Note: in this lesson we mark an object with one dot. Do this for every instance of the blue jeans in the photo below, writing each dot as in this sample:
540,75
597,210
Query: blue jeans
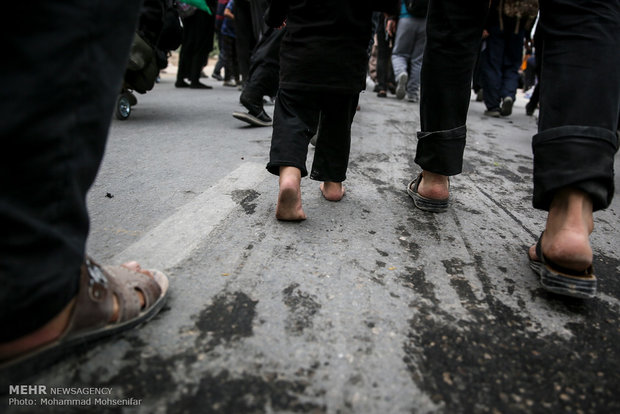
576,139
500,66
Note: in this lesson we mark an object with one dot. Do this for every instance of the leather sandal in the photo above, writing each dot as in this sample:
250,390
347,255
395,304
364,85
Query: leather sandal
91,315
558,279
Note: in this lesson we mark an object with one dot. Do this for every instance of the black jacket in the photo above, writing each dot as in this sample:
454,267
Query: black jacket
326,44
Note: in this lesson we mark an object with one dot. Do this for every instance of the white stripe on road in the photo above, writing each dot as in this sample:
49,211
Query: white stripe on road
176,237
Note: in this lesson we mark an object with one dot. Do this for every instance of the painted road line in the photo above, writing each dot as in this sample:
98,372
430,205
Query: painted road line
174,239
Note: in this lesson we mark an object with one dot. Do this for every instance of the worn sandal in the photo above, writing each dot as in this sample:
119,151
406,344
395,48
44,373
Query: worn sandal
560,280
424,203
90,319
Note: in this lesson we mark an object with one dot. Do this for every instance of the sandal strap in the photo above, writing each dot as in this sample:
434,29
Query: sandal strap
95,300
558,268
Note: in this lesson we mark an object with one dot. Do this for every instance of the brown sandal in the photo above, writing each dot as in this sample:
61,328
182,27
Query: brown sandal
90,319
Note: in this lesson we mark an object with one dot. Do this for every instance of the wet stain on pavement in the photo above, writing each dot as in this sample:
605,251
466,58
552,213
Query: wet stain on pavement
302,308
496,363
245,199
415,278
229,317
223,393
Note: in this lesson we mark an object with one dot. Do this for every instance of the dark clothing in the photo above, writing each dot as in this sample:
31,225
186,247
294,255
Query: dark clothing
245,38
53,146
265,68
576,142
499,68
198,30
231,71
385,73
325,47
295,121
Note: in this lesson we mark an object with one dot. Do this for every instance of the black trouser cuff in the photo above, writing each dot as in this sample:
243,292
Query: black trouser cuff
441,152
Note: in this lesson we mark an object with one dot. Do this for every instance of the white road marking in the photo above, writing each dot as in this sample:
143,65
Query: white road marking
174,239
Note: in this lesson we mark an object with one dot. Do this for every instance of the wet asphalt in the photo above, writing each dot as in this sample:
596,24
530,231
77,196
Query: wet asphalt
368,306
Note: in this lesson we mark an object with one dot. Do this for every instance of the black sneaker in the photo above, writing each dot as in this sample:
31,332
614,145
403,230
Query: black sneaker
199,85
181,84
507,106
217,76
254,107
261,119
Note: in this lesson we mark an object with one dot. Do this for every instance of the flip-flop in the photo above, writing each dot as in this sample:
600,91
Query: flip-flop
560,280
93,310
424,203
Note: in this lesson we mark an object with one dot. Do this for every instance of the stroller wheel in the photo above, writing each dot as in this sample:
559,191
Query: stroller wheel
123,107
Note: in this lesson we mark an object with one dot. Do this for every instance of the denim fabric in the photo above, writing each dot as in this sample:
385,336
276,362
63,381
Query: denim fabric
500,66
64,78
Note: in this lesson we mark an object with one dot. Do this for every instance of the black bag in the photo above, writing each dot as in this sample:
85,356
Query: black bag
416,8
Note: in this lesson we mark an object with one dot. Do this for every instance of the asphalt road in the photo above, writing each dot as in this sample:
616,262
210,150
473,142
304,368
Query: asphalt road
369,306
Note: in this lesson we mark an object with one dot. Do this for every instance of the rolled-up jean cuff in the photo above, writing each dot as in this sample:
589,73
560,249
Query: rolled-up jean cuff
274,167
579,157
441,152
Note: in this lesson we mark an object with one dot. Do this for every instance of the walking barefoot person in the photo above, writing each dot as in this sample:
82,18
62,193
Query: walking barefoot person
323,61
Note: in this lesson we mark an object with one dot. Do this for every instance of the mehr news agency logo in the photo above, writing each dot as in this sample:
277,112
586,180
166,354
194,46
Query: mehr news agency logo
42,395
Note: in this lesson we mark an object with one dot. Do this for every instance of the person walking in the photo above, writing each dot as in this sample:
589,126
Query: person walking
409,48
575,144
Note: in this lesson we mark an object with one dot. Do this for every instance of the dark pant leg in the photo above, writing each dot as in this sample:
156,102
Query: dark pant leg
492,68
244,37
384,56
577,138
454,30
230,64
264,75
512,60
295,120
63,72
331,155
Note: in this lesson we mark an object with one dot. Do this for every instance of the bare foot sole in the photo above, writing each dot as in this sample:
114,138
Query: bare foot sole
289,205
332,191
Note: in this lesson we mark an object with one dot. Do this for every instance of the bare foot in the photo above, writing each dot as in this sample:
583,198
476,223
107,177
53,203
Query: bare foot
434,186
569,225
58,324
332,191
289,199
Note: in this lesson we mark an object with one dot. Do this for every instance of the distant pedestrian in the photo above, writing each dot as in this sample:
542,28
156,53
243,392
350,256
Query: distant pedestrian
409,48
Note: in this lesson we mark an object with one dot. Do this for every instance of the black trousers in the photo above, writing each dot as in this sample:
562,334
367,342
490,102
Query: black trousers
265,67
64,78
297,115
385,73
245,39
576,139
198,32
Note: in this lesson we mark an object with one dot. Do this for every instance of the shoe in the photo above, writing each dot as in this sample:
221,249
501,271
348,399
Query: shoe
90,319
479,96
261,119
217,76
529,109
253,107
557,279
507,106
424,203
198,85
230,83
401,85
382,94
495,113
392,88
413,98
181,84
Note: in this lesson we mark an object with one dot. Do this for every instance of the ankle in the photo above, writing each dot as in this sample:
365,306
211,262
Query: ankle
434,185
